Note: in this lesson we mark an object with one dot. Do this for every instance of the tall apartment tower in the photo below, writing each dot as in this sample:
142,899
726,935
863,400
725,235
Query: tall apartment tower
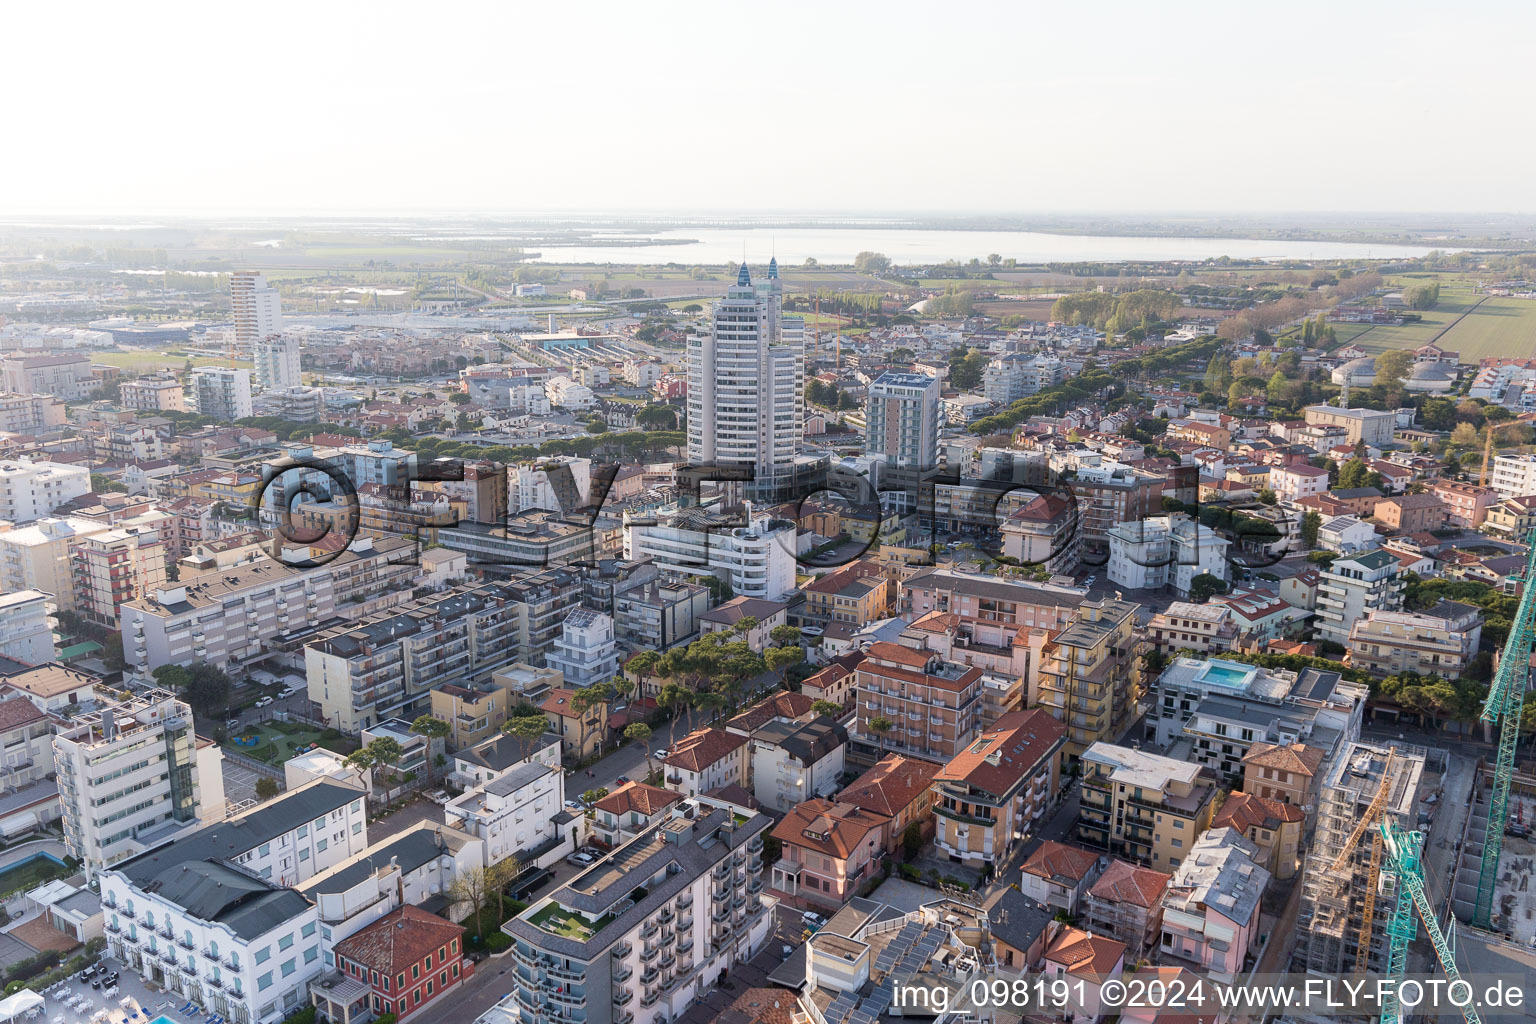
902,420
1333,902
257,307
222,392
746,386
277,362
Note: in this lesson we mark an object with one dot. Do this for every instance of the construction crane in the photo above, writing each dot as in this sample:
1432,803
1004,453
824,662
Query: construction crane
1489,431
1402,848
1506,700
1368,911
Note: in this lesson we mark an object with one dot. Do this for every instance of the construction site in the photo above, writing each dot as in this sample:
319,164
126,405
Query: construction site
1513,906
1346,896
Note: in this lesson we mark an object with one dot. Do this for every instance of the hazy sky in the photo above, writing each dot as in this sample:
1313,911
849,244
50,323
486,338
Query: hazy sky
509,106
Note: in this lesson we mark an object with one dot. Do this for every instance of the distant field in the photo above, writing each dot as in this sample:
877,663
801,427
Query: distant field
1497,327
149,362
1455,299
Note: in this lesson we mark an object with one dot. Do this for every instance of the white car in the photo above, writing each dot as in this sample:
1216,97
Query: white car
812,919
574,805
660,755
263,702
286,691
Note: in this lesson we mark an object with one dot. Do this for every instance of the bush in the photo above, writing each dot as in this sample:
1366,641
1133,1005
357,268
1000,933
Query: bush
304,1016
496,942
909,872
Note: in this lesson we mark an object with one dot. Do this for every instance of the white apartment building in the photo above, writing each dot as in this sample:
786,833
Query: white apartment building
1011,377
1346,535
30,414
1300,480
1353,587
902,415
558,484
229,616
1514,476
513,814
757,560
706,760
257,308
645,933
568,394
25,632
30,490
793,762
746,386
68,377
586,652
1168,550
153,394
132,777
640,373
223,392
212,919
36,557
277,362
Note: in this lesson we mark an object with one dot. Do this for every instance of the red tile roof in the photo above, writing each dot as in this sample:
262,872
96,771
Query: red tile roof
891,785
782,704
637,796
698,750
835,829
1294,757
1243,811
1012,748
399,939
1058,860
1084,954
1123,882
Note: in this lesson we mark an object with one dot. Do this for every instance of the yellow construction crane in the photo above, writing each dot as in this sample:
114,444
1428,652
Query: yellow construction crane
1368,910
1490,430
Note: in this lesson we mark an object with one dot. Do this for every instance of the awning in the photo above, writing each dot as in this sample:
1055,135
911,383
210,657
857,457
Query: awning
15,825
20,1004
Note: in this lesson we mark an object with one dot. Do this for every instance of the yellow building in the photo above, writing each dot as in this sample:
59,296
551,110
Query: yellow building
1143,807
1090,674
1272,825
476,711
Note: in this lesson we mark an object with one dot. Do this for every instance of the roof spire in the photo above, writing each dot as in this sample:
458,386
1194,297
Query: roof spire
742,276
773,268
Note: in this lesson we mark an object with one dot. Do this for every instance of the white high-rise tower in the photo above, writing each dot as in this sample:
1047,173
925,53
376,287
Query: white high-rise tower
258,314
746,386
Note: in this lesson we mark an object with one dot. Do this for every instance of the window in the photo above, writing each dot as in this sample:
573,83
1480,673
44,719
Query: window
304,854
415,971
322,844
264,982
357,827
263,954
308,929
288,967
400,980
286,942
311,953
266,848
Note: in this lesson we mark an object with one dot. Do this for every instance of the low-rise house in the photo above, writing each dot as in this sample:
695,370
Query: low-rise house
1087,963
1126,904
706,759
26,736
995,790
628,811
1211,908
1202,628
581,730
835,682
1058,875
829,850
493,758
403,962
780,706
765,617
899,789
1285,772
793,761
1274,827
1411,513
1019,925
1346,535
1512,519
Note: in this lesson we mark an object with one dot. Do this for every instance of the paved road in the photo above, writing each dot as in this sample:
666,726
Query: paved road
628,760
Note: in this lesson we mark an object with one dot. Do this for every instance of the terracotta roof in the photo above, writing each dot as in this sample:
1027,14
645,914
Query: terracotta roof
559,703
1010,750
1123,882
698,750
891,785
1085,954
399,939
782,704
1294,757
1043,509
880,650
1243,811
637,796
1058,860
833,582
835,829
761,1006
1413,501
16,712
50,680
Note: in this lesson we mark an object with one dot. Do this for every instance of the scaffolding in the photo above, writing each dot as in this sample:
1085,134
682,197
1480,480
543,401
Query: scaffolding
1339,932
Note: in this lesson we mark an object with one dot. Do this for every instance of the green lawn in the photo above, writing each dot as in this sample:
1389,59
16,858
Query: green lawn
149,362
30,874
1455,299
1497,327
556,920
277,741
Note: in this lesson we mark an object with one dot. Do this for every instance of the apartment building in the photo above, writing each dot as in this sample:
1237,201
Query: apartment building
1272,826
402,964
659,614
705,760
1513,475
899,789
1017,375
792,761
1466,504
1288,773
586,652
1211,907
514,814
765,616
53,687
234,615
277,362
1090,674
915,703
902,413
362,674
1411,513
213,918
1512,519
30,414
986,598
828,849
1166,551
476,709
1143,807
1110,494
1297,481
114,567
153,394
755,557
858,592
26,632
222,392
999,787
1045,532
490,759
1126,903
1352,587
1441,641
132,776
581,729
31,490
646,932
1201,628
26,736
1371,426
68,377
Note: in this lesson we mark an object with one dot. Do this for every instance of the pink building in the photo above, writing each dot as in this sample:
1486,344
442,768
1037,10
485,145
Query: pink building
1211,907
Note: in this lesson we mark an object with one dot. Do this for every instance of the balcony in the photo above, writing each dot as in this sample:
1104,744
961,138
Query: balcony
649,976
623,974
622,997
623,949
650,955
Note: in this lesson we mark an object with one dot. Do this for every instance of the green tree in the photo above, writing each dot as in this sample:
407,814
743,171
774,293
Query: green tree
1393,366
433,729
880,725
1204,587
1311,522
912,840
1465,436
829,708
871,263
526,729
785,636
267,788
640,733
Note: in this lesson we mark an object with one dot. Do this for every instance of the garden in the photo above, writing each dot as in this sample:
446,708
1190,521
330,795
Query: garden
275,742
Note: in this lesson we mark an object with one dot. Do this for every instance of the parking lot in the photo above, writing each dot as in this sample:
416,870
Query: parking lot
239,782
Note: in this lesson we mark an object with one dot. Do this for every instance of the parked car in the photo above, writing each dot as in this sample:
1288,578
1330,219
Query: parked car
574,805
440,796
286,691
622,779
581,859
661,755
233,723
813,919
263,702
